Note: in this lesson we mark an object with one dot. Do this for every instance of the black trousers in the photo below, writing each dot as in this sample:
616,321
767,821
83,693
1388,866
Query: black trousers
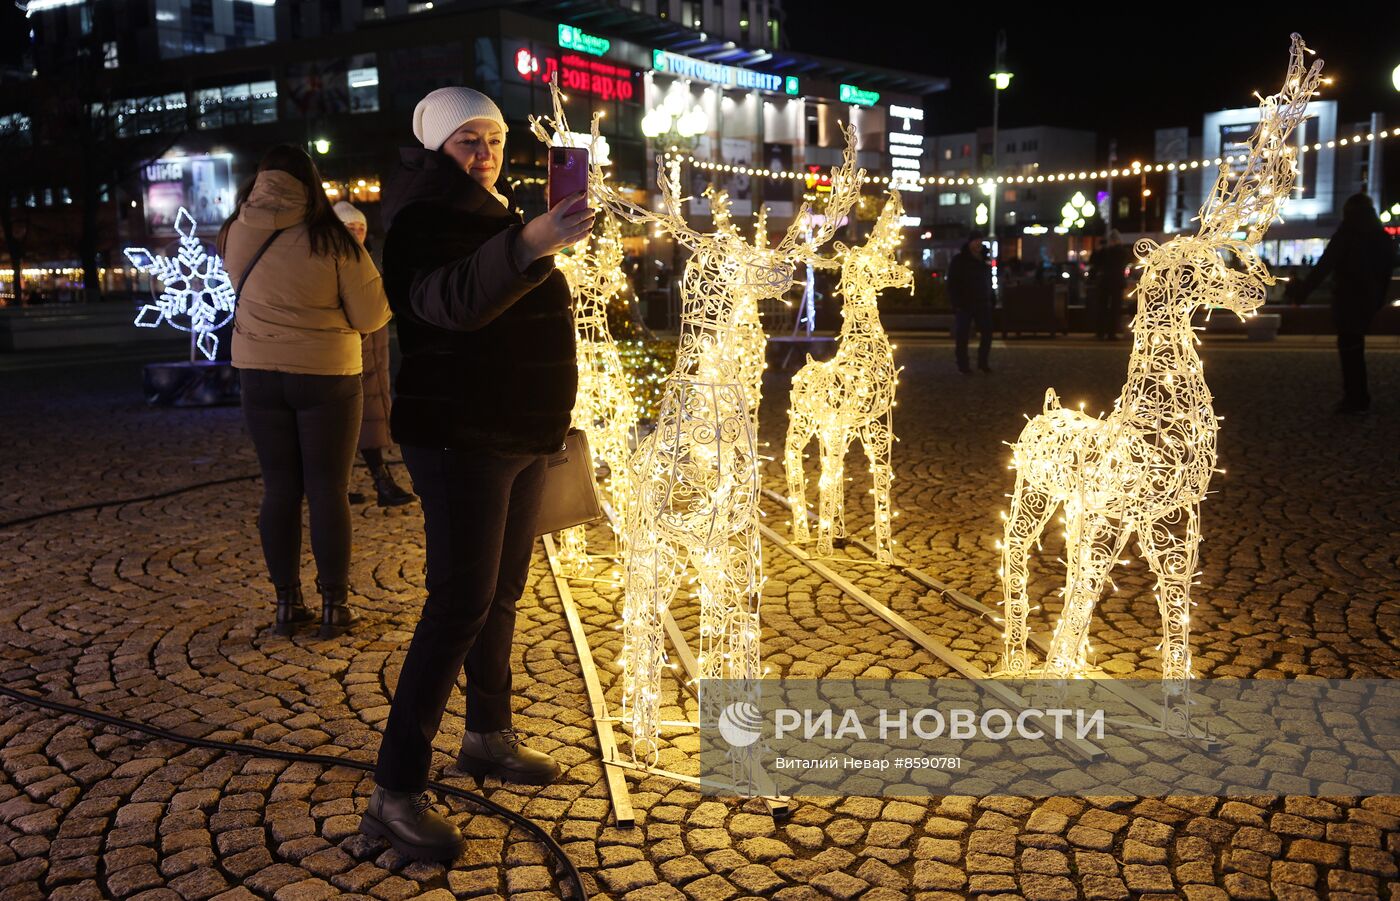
479,513
963,320
1352,325
304,428
1108,309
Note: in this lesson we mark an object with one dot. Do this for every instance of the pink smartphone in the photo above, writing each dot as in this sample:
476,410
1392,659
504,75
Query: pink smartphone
568,174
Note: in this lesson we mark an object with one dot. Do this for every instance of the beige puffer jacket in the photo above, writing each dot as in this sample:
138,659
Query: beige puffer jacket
298,312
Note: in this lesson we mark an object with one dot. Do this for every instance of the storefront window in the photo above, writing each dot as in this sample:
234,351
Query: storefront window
250,103
16,127
145,115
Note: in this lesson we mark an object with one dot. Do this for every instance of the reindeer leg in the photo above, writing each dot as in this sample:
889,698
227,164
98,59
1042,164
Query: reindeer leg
729,599
831,487
1030,511
1170,545
573,550
652,575
1092,545
799,433
876,438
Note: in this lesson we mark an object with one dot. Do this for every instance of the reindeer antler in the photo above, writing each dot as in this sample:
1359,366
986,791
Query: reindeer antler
604,194
719,209
1253,201
845,188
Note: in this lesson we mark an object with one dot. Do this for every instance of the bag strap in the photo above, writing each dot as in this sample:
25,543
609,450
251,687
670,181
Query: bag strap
238,291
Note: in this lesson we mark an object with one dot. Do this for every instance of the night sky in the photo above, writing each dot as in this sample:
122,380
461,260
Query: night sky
1121,75
1144,66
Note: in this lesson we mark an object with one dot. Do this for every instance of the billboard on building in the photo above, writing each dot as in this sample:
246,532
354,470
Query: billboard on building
202,184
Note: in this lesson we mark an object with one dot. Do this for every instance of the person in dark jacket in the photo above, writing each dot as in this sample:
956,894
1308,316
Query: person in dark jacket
970,292
374,421
485,392
1110,278
1360,258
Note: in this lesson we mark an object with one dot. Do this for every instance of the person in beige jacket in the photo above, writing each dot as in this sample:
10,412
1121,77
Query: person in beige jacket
307,293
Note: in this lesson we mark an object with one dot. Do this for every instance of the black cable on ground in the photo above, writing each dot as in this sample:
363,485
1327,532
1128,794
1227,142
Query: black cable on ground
141,499
303,757
98,505
570,869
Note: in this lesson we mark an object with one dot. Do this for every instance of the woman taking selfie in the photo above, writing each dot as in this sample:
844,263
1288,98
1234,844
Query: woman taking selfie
308,293
484,393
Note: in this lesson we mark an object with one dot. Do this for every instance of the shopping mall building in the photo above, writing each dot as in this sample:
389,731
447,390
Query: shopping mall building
183,96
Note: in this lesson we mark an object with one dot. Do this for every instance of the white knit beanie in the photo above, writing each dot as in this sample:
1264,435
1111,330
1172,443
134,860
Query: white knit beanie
445,110
348,212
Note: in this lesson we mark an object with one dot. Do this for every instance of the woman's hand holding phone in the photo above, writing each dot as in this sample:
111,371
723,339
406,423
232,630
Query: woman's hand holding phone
551,232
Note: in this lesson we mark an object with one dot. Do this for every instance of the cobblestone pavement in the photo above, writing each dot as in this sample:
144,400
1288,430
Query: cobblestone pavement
158,610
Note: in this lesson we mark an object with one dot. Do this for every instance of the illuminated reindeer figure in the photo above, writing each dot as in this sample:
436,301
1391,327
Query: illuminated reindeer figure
851,396
695,478
604,406
1145,468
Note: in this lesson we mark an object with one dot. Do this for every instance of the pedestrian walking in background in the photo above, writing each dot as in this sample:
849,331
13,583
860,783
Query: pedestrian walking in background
1360,258
1109,274
374,423
308,293
970,292
484,393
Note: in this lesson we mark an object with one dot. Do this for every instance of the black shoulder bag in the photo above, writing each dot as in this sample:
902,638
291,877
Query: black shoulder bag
238,289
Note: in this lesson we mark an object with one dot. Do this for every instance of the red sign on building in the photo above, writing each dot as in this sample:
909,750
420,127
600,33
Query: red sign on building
593,77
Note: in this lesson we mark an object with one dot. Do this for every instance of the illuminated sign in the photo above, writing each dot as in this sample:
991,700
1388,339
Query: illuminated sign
819,179
577,73
906,146
571,38
852,94
720,74
907,113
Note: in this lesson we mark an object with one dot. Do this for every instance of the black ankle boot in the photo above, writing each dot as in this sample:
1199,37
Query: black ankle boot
412,827
390,494
336,616
291,610
501,754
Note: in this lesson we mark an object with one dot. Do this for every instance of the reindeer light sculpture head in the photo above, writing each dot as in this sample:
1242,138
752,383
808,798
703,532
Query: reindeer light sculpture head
1144,469
1192,271
874,267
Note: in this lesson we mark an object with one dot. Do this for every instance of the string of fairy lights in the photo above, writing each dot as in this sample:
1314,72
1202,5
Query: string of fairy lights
1131,170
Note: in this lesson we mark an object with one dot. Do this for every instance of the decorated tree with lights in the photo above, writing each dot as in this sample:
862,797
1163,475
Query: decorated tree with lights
196,295
851,396
695,478
1145,468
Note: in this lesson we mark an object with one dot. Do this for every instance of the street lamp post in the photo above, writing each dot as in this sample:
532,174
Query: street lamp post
1001,79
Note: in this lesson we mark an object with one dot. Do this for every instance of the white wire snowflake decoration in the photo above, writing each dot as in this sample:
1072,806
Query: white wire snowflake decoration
196,294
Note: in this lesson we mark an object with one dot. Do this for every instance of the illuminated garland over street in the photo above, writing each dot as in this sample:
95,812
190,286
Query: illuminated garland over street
1131,170
1146,467
851,396
696,479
